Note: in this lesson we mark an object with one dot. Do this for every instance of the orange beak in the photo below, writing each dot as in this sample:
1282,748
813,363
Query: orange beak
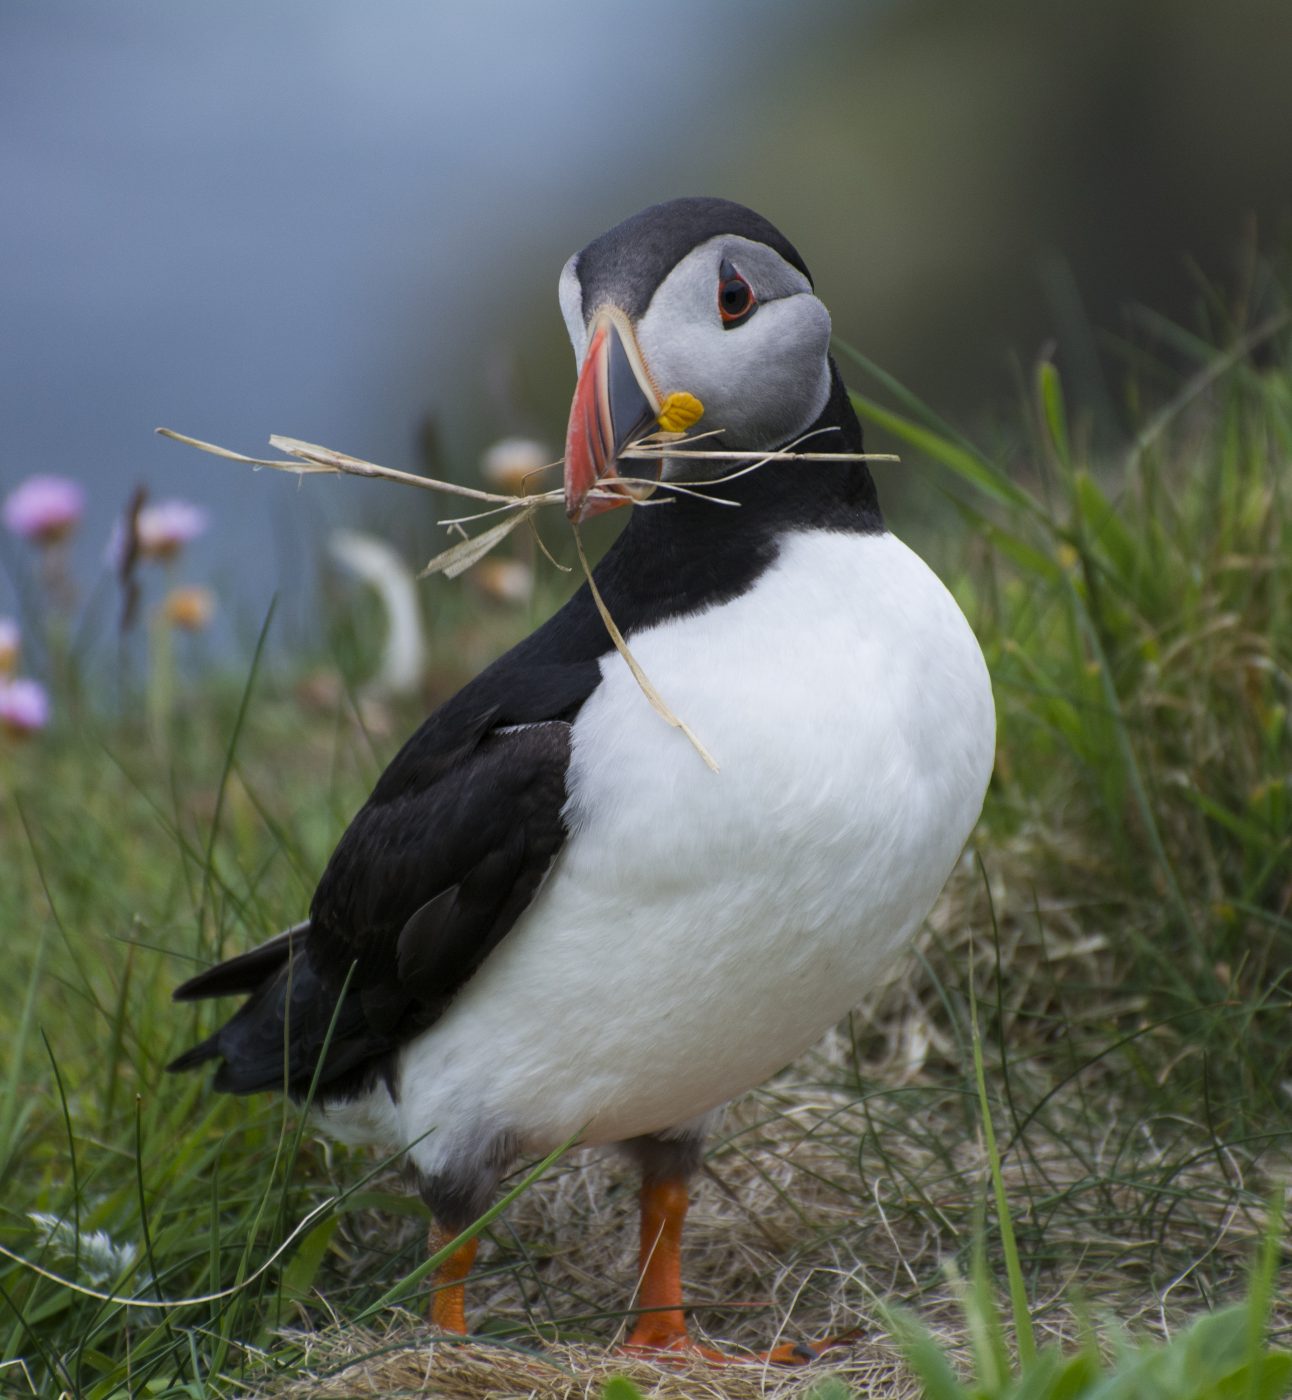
614,404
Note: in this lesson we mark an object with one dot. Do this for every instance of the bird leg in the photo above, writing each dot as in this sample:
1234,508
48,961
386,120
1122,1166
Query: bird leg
661,1322
660,1325
448,1291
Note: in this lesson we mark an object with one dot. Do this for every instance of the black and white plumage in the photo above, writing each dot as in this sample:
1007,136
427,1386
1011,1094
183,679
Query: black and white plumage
550,918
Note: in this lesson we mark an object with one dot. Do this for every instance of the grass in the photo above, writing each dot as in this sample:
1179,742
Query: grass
1120,936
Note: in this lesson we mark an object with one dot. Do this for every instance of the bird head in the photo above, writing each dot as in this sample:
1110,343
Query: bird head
695,306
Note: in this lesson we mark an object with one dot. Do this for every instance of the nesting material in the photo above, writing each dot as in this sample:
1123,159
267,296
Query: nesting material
310,459
679,412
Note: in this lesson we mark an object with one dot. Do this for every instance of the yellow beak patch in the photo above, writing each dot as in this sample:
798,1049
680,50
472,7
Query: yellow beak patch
679,412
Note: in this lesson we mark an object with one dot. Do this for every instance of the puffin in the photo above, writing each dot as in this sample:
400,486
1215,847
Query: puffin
551,922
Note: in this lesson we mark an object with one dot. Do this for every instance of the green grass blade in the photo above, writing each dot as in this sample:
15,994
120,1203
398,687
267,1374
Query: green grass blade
1025,1338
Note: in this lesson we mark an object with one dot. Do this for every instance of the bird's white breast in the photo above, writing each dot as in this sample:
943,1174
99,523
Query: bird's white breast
699,930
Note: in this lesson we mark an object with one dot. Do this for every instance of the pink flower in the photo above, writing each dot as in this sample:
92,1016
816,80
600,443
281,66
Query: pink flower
10,645
44,508
165,528
161,531
24,707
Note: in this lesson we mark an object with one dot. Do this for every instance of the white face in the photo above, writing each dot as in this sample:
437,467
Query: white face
763,380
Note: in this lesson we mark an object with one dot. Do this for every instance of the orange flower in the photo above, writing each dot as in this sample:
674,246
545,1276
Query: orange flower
190,607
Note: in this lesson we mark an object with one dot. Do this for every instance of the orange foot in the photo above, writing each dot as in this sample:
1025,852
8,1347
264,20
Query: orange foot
660,1334
802,1353
651,1342
683,1347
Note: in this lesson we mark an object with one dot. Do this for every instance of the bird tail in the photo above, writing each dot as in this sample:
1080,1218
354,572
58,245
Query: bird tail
237,976
294,1029
244,973
209,1049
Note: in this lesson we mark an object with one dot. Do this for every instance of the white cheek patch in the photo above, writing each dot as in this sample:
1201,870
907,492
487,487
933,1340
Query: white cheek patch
570,293
762,382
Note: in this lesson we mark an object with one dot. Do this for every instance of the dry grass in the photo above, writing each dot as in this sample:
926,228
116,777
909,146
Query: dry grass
475,1370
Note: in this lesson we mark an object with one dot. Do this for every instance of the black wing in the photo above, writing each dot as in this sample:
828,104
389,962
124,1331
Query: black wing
433,871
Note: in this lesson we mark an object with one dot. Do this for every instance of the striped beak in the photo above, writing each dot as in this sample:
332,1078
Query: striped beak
614,405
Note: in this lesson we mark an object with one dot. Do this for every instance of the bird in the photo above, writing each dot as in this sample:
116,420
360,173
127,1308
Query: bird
551,922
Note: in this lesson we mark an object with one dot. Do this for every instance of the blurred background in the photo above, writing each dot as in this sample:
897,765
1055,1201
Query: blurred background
345,223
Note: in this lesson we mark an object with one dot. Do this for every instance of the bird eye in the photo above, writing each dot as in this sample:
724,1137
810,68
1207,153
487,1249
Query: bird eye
736,300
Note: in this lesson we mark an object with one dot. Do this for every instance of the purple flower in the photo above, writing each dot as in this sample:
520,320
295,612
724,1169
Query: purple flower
44,508
24,707
10,645
165,528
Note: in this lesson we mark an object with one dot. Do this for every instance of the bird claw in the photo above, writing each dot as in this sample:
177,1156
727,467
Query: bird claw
804,1353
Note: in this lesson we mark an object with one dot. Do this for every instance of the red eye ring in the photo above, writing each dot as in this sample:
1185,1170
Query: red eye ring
736,300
